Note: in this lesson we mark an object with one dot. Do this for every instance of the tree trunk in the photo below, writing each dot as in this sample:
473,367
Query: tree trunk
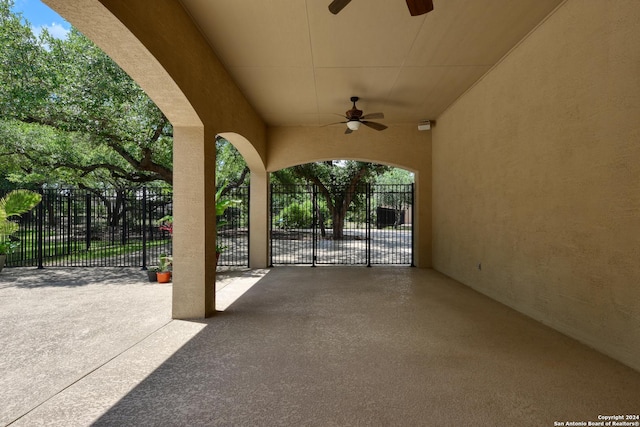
398,218
338,223
323,230
319,216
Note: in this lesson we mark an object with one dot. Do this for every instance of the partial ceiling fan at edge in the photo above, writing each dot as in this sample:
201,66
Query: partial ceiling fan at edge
416,7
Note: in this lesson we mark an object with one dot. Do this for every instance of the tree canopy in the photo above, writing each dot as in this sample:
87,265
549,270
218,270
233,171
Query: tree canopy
338,184
70,115
231,169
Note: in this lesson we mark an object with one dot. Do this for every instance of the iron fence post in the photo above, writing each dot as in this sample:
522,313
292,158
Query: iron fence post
144,228
271,186
368,230
123,235
69,235
413,219
314,214
88,221
40,229
248,190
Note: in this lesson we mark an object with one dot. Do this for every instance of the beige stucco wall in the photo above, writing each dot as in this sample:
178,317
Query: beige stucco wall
536,175
400,145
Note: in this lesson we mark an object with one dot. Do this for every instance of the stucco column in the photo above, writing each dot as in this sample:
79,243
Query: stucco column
194,254
422,222
259,220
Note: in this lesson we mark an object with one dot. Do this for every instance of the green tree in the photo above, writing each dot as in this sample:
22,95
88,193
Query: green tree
338,183
231,169
395,176
69,114
396,197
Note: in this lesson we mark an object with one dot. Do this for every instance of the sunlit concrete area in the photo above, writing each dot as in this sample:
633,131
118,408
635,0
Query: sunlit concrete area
59,325
292,346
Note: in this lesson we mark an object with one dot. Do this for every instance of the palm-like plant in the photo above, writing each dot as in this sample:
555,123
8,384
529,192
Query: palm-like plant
15,203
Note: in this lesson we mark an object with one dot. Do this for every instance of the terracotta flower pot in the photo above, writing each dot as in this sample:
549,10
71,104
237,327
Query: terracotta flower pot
164,276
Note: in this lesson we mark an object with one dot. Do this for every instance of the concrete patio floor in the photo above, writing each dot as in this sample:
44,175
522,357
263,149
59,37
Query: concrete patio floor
303,346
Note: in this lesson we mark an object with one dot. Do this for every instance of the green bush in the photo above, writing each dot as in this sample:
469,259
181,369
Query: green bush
300,215
296,215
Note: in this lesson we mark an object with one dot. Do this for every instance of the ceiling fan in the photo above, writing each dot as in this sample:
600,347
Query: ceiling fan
416,7
355,118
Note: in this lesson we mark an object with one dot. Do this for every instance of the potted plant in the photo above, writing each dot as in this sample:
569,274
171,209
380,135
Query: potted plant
164,224
152,274
219,249
164,268
14,203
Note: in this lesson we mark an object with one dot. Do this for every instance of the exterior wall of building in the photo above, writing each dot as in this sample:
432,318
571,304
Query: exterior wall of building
536,178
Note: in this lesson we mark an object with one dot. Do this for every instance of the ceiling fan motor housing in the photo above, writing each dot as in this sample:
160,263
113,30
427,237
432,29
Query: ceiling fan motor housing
355,118
354,114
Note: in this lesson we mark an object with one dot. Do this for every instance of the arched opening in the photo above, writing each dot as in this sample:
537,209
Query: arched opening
342,212
258,198
234,176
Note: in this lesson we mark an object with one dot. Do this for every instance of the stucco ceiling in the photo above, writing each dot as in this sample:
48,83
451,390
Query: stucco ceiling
298,64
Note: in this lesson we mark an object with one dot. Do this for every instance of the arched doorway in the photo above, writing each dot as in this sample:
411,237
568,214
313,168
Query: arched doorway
340,212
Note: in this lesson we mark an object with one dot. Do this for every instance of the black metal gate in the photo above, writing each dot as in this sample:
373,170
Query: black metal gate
234,234
375,229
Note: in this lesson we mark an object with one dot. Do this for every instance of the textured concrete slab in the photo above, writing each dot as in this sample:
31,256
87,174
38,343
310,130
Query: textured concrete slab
58,325
350,346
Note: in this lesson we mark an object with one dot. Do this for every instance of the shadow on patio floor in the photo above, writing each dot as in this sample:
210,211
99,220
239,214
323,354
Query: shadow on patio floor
351,346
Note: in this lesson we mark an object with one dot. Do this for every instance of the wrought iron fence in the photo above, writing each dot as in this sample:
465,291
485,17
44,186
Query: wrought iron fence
84,228
375,229
233,234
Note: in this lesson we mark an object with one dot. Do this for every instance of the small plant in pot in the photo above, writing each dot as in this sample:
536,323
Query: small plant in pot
14,203
164,268
219,249
152,273
164,224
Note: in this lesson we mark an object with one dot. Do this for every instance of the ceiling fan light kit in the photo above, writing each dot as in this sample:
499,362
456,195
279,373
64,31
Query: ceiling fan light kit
353,124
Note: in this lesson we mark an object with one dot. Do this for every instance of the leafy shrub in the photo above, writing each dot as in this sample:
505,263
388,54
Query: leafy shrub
297,215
